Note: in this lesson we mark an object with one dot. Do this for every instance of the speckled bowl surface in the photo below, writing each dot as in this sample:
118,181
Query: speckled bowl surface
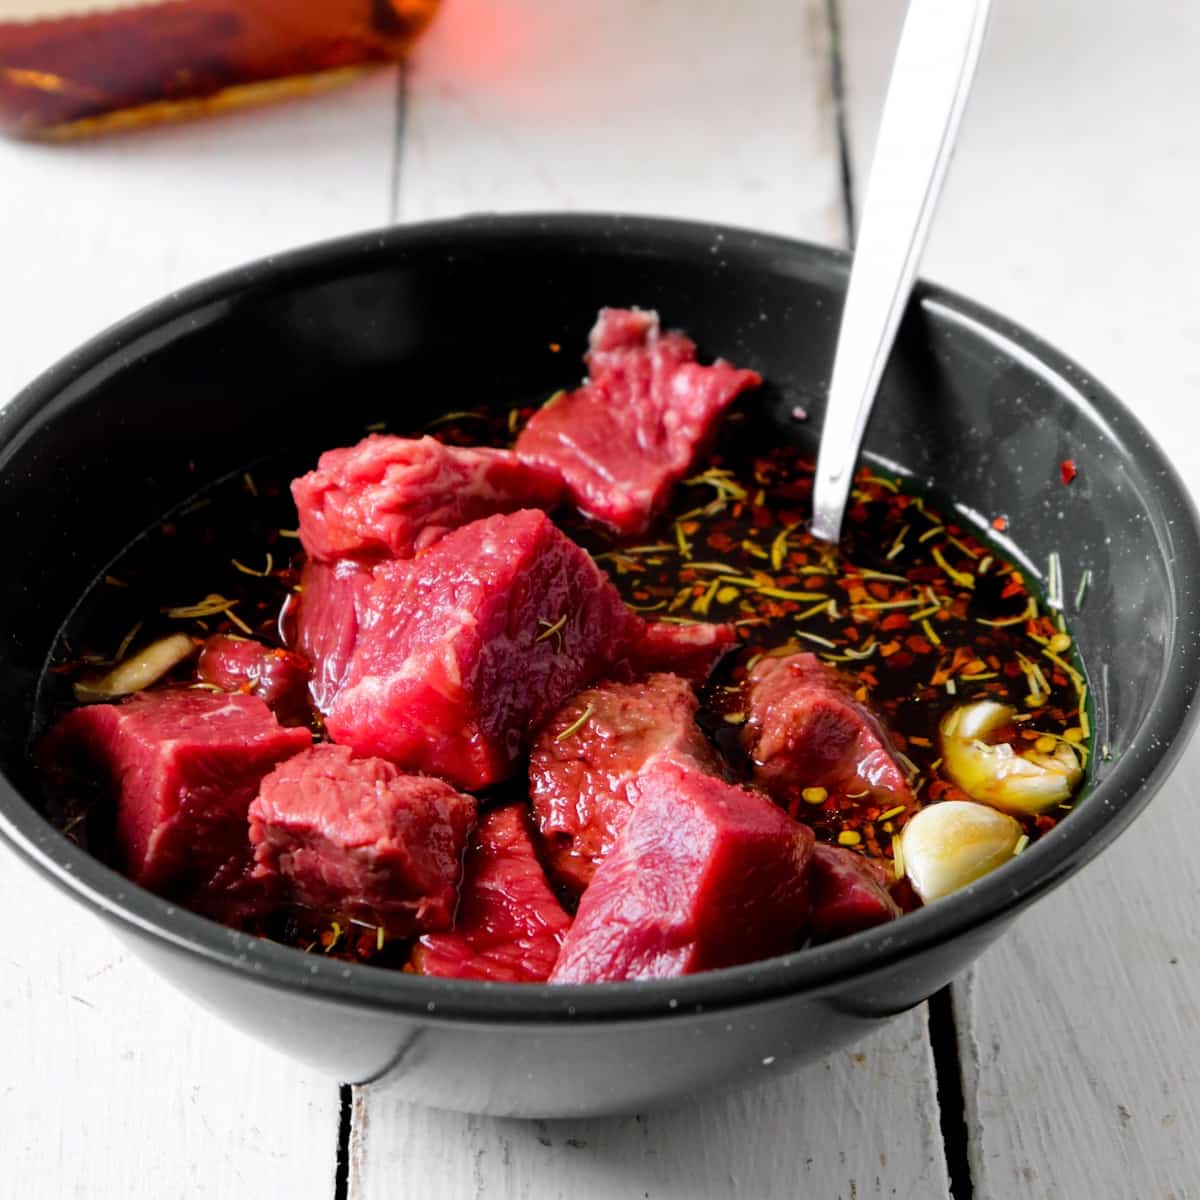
306,348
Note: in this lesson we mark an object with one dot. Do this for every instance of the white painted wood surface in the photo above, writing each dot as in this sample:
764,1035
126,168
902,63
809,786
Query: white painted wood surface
696,108
861,1124
112,1084
1071,206
1079,1030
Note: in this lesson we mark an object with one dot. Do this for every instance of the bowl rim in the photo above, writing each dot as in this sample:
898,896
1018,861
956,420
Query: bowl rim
1103,814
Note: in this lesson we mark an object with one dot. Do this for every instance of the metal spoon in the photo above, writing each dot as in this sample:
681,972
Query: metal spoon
931,79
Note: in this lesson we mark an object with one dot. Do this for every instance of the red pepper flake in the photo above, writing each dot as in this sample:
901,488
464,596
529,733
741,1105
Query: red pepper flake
1000,524
1068,470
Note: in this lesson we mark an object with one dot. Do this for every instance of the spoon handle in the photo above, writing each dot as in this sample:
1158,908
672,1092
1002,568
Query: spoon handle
931,79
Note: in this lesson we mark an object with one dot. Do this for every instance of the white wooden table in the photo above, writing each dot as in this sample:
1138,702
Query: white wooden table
1072,207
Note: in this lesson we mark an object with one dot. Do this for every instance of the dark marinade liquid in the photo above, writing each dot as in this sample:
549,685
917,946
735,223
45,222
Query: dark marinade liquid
918,613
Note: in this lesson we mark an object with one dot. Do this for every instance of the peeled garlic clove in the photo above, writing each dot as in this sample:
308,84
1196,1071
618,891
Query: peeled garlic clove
138,671
953,843
997,774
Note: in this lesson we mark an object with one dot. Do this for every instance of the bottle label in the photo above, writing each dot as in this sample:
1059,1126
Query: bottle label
50,10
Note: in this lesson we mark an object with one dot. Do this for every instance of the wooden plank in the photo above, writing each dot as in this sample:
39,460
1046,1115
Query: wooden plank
1071,206
94,230
703,109
861,1124
115,1085
692,108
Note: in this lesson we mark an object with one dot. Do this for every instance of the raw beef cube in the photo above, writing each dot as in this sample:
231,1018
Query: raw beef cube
465,650
356,836
277,677
327,624
688,650
592,750
647,411
804,729
183,765
509,925
389,497
848,894
705,874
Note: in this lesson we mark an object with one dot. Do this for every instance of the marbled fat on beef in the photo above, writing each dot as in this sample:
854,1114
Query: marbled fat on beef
341,834
465,650
590,753
705,874
388,497
509,925
647,411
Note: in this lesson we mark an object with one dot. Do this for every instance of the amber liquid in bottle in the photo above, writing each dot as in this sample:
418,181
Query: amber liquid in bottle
75,67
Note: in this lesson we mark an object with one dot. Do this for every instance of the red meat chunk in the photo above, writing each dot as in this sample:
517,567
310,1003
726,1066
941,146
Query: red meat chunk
277,677
356,836
580,774
705,874
389,497
463,651
625,438
184,766
327,624
688,650
848,894
804,729
510,925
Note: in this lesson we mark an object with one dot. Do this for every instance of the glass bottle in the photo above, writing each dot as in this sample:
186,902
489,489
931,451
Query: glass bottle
74,67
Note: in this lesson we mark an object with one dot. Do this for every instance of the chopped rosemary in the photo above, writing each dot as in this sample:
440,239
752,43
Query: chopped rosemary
245,570
1085,581
779,547
959,577
1054,580
210,606
898,544
701,606
576,725
814,637
447,418
551,629
1028,614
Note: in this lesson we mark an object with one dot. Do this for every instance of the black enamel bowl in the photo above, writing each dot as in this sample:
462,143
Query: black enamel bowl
309,347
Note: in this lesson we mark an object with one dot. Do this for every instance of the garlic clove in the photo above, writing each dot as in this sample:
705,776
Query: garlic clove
995,774
138,671
953,843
